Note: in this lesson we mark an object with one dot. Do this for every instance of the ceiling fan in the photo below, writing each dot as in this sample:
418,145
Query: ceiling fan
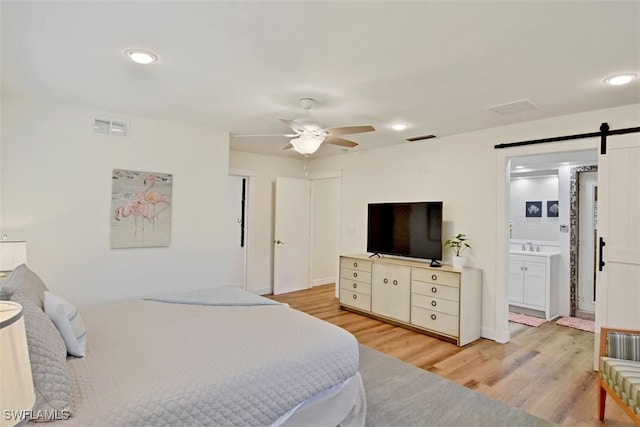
309,134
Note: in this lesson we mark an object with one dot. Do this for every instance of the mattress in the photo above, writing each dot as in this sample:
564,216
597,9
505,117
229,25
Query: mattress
158,363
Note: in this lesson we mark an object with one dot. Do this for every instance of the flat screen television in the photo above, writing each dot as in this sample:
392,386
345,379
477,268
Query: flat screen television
412,229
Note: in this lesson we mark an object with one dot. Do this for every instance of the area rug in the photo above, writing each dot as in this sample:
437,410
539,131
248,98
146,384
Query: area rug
526,320
399,394
577,323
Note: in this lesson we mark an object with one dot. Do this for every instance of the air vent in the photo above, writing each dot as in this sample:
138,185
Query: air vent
514,107
113,127
420,138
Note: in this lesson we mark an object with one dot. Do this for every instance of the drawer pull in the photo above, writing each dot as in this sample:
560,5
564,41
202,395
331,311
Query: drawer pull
385,280
434,277
395,282
434,289
433,303
355,274
355,296
433,317
355,264
355,285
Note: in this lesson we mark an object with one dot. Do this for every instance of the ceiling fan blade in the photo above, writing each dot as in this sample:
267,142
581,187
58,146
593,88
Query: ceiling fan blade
261,134
346,130
341,142
288,147
297,127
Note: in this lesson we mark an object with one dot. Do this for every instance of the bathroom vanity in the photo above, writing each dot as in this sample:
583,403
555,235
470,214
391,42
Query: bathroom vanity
533,281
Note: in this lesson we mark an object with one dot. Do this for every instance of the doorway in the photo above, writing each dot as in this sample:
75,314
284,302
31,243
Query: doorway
237,209
584,208
556,231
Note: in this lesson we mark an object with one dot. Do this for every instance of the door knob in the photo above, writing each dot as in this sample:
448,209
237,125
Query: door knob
278,242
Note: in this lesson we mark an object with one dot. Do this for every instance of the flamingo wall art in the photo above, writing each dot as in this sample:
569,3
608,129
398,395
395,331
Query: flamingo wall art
140,209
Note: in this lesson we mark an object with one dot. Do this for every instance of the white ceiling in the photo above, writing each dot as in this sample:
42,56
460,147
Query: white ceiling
239,66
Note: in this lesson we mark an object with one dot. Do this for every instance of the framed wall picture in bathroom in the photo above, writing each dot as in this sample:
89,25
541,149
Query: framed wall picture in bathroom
533,209
552,208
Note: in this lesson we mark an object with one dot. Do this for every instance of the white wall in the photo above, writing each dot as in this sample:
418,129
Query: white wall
325,227
56,194
465,172
263,170
534,189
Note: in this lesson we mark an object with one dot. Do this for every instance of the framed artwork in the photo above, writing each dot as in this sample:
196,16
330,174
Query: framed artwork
140,209
533,209
552,208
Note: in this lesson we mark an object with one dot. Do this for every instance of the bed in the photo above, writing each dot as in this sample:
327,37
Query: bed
217,356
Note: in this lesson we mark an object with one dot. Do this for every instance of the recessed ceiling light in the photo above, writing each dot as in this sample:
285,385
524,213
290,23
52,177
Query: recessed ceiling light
519,167
141,56
399,126
620,79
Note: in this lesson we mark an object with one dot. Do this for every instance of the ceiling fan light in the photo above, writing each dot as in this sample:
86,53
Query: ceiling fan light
306,144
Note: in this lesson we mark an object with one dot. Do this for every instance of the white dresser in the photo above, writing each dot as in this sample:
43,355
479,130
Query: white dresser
438,301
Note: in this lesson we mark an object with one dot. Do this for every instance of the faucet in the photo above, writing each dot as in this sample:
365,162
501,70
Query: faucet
530,246
537,248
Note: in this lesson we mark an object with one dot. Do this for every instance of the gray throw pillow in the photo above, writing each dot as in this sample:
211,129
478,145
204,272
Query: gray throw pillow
24,278
48,356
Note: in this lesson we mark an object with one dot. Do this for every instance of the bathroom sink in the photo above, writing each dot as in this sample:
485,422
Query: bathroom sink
541,253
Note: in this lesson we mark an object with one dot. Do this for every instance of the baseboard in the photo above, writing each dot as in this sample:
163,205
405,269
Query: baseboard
266,291
323,281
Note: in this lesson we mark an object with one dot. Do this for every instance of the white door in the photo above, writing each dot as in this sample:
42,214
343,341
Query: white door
291,237
236,231
587,208
618,277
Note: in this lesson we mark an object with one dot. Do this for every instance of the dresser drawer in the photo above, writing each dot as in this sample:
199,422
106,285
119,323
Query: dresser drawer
431,289
435,304
355,264
438,322
438,277
355,286
360,276
355,299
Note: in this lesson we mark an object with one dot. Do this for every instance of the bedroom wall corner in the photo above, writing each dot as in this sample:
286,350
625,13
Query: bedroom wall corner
56,193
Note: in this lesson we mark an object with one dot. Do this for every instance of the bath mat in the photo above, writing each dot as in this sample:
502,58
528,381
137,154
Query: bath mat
577,323
526,320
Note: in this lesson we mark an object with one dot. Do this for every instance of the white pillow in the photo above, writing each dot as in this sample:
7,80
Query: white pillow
68,322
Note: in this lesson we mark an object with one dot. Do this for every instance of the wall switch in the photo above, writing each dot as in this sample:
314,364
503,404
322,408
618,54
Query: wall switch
564,228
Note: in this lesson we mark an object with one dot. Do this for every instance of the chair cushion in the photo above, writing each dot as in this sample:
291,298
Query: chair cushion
623,376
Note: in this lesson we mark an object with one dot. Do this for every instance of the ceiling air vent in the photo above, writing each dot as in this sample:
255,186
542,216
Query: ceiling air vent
111,127
514,107
420,138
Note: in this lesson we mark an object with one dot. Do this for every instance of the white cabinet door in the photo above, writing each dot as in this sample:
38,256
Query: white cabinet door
617,284
516,281
535,284
391,291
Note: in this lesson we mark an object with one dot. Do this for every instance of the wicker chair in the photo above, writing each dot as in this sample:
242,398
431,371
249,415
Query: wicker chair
619,374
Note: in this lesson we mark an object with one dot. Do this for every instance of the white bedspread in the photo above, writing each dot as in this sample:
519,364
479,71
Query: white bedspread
154,363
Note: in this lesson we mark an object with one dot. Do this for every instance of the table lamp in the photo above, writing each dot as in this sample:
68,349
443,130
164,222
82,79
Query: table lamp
16,383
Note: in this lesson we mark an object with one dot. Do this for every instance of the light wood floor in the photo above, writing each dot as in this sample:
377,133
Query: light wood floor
545,371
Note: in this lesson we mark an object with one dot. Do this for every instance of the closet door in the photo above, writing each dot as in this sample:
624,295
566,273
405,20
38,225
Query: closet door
618,278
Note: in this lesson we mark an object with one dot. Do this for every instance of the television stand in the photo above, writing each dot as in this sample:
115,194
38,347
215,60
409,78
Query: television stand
435,263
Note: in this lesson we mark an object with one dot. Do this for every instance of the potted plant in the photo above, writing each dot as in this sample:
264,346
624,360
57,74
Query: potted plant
458,244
